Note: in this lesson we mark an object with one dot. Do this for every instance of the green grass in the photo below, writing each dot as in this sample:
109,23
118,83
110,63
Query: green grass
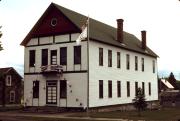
167,114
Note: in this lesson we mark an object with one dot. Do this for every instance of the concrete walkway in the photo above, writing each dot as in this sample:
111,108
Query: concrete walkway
60,115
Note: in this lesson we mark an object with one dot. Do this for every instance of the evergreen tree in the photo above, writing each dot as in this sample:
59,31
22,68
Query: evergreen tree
139,101
172,80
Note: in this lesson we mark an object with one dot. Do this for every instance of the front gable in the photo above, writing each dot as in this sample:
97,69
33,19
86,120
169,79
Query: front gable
52,22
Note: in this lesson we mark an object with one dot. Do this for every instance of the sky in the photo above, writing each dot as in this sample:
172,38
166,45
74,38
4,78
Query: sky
160,18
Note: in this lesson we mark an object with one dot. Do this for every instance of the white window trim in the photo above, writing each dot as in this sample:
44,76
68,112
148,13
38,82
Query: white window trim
12,99
8,82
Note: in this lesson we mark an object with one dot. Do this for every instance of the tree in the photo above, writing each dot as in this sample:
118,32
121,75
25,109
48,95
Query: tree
139,101
172,80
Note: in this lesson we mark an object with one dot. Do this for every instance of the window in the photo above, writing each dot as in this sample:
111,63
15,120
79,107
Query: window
118,88
8,80
36,89
32,58
136,63
101,56
12,96
63,56
149,88
127,62
143,89
136,88
63,89
53,57
109,58
128,89
44,58
100,88
142,63
77,54
153,66
110,89
118,60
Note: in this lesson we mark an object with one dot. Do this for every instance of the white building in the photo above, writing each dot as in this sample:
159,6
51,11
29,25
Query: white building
56,69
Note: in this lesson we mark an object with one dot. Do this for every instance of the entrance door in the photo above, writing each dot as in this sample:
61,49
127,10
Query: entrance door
51,92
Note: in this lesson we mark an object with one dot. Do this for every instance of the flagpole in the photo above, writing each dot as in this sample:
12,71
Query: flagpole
88,68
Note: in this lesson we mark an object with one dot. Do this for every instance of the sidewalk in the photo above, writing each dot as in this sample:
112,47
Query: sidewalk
55,116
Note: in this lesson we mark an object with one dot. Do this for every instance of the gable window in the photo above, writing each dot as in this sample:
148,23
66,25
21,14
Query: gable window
136,88
100,88
63,89
136,63
100,56
128,89
32,58
77,54
63,56
118,88
110,89
12,96
36,89
109,58
143,88
8,80
142,64
118,60
127,62
53,57
153,66
44,57
149,84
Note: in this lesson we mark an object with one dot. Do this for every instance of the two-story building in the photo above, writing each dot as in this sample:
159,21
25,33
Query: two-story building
10,87
103,71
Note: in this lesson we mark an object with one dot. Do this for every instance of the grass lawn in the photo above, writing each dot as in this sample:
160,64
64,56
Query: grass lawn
166,114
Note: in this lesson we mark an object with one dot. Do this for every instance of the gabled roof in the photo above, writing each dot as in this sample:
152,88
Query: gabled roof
4,71
167,84
101,32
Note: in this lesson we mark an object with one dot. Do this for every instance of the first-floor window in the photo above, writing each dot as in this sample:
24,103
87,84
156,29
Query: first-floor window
128,89
149,88
36,89
143,88
136,88
100,88
12,96
63,89
110,89
118,88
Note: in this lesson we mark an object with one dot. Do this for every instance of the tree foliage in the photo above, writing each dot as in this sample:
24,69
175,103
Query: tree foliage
139,101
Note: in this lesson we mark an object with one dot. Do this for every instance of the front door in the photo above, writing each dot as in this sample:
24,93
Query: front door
51,92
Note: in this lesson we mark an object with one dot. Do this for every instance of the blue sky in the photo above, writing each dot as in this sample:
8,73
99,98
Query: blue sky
160,18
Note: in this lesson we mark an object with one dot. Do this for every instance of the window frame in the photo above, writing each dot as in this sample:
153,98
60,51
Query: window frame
8,80
63,55
63,89
44,57
142,64
100,56
53,57
109,58
101,89
118,88
136,63
149,85
32,58
154,68
136,88
118,60
77,51
128,88
127,61
110,88
12,100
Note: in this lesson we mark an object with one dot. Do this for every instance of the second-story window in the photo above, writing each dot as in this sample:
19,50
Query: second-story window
53,57
8,80
101,56
127,62
136,63
142,63
153,66
32,58
44,58
77,54
109,58
118,60
63,56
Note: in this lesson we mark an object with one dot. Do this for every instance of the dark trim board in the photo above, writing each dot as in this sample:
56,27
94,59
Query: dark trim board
65,72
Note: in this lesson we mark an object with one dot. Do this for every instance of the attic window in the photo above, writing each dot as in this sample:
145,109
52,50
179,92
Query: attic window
53,21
